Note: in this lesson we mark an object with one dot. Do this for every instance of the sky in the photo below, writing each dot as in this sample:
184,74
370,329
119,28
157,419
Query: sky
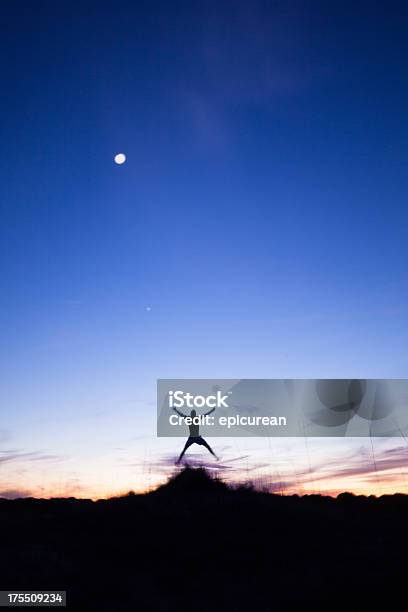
258,229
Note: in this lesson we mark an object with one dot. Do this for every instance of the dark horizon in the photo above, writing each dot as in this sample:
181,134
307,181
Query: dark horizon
234,547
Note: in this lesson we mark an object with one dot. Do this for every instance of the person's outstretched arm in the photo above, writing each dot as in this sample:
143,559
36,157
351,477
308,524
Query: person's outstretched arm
179,413
209,412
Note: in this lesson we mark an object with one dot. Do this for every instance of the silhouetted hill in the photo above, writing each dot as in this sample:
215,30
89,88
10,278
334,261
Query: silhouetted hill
192,482
195,544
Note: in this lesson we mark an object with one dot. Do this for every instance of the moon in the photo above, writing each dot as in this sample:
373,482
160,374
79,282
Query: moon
120,158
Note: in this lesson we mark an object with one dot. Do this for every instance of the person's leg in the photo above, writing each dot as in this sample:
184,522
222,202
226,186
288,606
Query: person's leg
189,442
207,446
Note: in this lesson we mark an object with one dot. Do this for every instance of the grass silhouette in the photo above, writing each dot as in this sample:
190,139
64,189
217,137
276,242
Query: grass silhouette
197,544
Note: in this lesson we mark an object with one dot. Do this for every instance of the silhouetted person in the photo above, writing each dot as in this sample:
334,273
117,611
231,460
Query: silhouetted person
194,437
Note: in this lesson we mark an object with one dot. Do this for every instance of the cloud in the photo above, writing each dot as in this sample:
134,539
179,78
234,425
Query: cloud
246,56
169,461
389,459
15,493
372,468
7,456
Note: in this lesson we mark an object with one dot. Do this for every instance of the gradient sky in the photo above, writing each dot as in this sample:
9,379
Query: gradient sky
257,229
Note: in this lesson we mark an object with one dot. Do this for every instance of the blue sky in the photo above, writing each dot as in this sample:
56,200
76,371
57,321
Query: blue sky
261,214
